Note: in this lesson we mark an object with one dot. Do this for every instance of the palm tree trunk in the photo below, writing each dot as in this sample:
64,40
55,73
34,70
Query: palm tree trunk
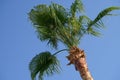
77,57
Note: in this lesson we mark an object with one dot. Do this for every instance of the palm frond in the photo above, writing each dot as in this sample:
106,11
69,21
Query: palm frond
45,34
94,32
60,13
36,15
44,64
77,6
44,18
84,21
50,23
97,22
105,12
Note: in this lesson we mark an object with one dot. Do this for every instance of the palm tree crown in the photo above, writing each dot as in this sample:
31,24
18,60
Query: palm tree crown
54,24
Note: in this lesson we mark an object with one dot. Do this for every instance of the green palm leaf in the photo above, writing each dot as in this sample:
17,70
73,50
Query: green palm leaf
44,64
102,14
44,24
83,21
53,23
77,6
97,22
47,21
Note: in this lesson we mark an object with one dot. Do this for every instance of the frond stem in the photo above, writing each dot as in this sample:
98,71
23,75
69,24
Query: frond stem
60,51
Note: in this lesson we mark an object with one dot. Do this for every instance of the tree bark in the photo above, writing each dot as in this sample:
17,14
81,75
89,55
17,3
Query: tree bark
78,58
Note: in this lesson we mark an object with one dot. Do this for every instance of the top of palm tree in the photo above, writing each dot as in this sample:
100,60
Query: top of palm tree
54,23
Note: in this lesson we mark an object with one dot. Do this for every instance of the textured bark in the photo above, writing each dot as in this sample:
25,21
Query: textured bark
77,57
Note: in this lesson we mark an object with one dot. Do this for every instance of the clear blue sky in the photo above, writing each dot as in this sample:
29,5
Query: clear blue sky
19,43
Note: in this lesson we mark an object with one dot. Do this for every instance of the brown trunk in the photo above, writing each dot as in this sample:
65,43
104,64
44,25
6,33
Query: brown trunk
77,57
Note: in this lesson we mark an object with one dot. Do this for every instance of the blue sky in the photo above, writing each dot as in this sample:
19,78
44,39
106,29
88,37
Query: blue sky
19,43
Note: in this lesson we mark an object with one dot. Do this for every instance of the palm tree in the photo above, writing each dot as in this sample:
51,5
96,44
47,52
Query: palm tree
55,24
